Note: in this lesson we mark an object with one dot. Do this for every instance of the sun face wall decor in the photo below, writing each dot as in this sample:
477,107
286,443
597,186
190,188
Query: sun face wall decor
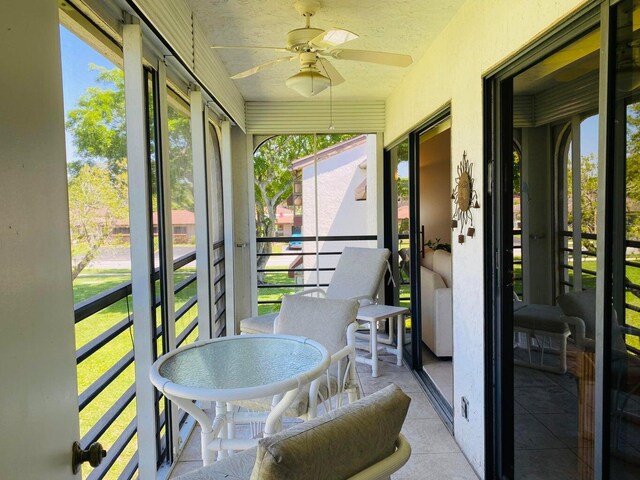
465,198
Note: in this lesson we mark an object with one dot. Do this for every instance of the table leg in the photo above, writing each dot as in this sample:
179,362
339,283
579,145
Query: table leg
399,338
272,425
374,349
231,423
221,413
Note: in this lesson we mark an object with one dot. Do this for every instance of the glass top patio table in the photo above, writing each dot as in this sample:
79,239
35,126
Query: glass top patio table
239,367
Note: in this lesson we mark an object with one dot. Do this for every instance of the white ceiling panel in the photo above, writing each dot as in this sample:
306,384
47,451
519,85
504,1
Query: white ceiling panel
397,26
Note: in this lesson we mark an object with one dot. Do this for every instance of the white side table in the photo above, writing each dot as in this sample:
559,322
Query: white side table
374,313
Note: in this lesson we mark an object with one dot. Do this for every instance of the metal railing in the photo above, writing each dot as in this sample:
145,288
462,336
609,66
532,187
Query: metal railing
96,305
283,288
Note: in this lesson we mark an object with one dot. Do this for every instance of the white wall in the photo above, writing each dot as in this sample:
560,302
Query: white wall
338,211
39,414
482,34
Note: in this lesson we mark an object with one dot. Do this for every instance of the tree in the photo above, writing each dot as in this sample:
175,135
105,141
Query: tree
274,178
97,202
98,177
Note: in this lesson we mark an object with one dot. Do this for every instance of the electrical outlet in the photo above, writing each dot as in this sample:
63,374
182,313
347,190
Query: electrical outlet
465,408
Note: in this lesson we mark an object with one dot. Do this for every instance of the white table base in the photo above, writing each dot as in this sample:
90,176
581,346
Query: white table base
372,314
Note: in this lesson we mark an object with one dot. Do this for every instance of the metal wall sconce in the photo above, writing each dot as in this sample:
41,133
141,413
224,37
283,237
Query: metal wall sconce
465,198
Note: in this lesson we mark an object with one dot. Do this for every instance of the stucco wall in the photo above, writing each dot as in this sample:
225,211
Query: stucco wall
483,33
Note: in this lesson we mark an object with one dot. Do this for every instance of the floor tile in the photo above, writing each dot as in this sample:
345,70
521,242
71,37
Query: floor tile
436,466
420,407
531,434
185,467
546,399
563,426
429,435
561,464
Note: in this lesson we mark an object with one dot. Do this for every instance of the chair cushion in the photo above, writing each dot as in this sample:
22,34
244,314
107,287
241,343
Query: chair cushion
337,445
358,273
300,404
236,467
259,324
543,318
319,319
442,266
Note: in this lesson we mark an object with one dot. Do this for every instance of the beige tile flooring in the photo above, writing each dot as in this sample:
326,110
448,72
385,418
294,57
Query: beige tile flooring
435,454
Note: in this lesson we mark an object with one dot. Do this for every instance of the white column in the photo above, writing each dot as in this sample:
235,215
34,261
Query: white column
576,201
141,266
39,414
204,253
253,249
229,237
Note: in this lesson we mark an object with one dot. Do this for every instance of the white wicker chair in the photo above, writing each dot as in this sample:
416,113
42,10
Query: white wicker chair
331,323
361,441
357,276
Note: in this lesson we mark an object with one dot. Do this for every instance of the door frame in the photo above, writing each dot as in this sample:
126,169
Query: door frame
498,252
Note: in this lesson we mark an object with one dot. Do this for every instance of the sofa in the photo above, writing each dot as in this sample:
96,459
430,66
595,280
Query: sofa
437,302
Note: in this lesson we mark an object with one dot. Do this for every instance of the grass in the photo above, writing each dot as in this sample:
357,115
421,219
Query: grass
92,282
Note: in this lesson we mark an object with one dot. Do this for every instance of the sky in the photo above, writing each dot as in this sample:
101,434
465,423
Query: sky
76,74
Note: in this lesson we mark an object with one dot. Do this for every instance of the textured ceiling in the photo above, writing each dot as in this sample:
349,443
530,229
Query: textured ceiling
399,26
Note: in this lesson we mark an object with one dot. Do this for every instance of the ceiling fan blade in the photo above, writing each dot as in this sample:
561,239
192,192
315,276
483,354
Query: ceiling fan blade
383,58
332,38
275,49
332,73
261,67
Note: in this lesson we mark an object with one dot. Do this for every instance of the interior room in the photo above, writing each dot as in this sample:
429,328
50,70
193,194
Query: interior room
435,257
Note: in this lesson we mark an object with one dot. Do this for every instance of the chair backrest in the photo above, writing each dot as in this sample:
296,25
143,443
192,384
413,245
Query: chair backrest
337,445
320,319
358,273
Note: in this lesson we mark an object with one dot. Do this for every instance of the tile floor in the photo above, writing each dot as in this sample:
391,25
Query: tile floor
440,370
435,454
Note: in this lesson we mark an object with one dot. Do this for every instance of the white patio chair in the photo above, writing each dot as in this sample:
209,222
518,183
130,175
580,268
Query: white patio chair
361,441
331,322
357,276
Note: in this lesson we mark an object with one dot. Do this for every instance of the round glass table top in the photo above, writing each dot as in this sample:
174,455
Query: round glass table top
240,362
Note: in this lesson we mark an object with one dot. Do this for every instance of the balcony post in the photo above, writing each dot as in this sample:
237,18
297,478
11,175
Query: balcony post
204,252
141,254
229,237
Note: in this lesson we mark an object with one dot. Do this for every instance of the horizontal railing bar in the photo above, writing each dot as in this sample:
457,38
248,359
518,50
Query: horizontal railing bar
218,261
587,253
291,285
218,279
273,270
219,315
113,453
218,244
630,263
183,260
97,343
98,302
287,254
109,417
633,349
185,283
632,307
219,297
563,282
93,390
321,238
568,267
185,333
131,468
589,272
181,312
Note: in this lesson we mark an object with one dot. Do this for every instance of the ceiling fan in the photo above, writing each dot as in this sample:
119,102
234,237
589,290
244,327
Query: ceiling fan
310,46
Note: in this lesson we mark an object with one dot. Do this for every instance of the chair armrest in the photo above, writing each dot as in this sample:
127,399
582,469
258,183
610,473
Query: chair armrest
364,300
385,467
311,291
580,331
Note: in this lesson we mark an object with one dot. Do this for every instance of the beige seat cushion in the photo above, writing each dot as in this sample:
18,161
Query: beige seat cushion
337,445
236,467
542,318
259,324
300,404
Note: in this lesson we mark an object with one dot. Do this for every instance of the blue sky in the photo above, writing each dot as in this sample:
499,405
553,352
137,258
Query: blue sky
76,74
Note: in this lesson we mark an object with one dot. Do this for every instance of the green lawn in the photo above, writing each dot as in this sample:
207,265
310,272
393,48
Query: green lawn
89,283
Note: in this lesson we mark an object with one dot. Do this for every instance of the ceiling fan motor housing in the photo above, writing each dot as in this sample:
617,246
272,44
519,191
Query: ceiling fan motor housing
298,39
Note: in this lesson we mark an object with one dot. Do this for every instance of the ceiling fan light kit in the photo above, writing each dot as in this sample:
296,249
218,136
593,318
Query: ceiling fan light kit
308,82
310,45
